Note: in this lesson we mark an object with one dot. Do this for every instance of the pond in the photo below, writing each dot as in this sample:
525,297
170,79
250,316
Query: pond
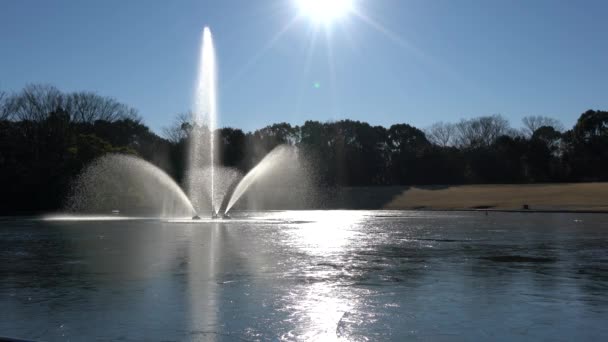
306,275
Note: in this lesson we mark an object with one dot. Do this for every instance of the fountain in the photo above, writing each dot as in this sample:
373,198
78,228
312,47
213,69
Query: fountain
115,182
206,180
203,153
272,160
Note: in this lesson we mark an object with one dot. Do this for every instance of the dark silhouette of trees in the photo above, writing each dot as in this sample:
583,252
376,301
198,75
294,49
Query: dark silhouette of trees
406,144
86,107
441,134
4,112
232,147
35,102
534,122
586,152
180,128
47,137
482,131
262,141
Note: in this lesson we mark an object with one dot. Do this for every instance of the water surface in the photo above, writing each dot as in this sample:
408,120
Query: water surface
307,275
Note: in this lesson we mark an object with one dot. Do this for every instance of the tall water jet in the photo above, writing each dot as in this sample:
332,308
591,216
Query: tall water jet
203,152
116,182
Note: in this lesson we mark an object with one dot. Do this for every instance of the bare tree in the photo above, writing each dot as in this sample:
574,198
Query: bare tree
481,131
441,134
180,128
4,112
90,107
534,122
34,102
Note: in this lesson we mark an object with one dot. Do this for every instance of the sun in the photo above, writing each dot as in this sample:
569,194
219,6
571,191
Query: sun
324,11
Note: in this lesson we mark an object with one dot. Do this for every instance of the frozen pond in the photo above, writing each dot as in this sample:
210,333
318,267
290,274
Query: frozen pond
307,275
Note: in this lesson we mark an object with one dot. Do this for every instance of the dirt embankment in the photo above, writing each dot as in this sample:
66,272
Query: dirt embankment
551,197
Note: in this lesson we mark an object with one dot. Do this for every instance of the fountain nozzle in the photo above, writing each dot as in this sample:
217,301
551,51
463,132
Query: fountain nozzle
220,216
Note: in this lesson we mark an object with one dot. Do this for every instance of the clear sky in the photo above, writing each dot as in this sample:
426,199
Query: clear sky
395,61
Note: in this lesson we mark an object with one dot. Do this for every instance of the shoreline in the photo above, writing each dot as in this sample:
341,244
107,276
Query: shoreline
506,211
524,211
579,198
526,198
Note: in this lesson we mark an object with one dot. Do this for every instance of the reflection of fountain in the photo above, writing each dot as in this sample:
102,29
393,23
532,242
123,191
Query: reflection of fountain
206,182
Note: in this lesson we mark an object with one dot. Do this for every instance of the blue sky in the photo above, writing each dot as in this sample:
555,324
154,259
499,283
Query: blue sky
398,61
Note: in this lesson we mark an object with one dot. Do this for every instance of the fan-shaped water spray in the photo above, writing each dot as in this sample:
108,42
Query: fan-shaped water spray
124,183
278,158
116,182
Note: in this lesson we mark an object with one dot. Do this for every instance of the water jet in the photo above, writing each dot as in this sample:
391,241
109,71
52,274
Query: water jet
127,184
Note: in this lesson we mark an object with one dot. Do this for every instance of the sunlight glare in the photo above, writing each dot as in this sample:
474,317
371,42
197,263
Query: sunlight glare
324,11
327,232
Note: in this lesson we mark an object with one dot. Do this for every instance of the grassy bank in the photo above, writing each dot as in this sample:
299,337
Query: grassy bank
573,196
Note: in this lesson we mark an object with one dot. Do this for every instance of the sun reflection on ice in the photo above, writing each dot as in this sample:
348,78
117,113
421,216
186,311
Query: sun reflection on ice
318,314
324,232
322,308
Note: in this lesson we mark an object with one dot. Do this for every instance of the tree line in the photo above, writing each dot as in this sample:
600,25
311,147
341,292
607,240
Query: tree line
48,136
